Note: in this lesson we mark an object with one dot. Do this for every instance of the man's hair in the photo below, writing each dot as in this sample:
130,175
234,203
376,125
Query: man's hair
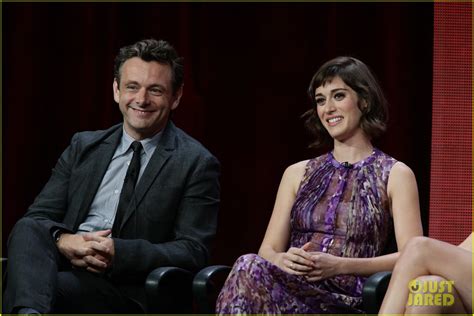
152,50
358,76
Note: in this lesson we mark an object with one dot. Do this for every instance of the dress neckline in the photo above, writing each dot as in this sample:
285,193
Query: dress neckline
368,160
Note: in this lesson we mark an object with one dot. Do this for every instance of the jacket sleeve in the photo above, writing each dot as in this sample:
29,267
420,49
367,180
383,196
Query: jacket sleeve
194,228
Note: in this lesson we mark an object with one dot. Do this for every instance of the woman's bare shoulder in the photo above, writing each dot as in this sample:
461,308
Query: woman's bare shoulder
401,169
298,167
295,172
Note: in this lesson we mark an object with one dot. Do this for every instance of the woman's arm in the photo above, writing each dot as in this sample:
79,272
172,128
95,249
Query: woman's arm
275,242
404,205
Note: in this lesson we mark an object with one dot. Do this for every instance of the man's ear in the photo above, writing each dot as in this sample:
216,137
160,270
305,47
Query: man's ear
177,98
116,90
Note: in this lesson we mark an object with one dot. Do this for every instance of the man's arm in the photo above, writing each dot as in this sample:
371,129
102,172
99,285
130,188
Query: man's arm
51,205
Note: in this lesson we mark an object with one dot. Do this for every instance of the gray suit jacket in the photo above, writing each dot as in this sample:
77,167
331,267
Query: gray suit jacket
175,215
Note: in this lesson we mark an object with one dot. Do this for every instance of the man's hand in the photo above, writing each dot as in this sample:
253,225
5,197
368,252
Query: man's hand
104,252
87,250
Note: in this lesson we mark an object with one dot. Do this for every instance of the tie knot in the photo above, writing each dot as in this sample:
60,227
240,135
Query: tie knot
136,146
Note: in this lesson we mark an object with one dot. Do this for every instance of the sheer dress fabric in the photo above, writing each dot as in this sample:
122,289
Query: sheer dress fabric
342,210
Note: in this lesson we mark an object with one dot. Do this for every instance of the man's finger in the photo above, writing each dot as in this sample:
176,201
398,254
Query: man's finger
90,269
95,263
103,233
99,247
91,237
79,263
81,252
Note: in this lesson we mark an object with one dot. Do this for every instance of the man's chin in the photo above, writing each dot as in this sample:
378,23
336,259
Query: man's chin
145,131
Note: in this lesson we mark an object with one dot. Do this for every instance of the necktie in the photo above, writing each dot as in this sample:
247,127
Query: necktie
128,189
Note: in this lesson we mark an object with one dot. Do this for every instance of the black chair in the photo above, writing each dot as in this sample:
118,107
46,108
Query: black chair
374,291
206,287
168,290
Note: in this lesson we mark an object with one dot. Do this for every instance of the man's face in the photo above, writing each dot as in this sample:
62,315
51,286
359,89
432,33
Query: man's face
145,97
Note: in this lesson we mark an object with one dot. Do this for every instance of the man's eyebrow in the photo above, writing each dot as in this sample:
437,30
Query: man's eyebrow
130,82
156,85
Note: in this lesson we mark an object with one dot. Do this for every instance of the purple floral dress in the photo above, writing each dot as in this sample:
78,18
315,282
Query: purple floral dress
342,210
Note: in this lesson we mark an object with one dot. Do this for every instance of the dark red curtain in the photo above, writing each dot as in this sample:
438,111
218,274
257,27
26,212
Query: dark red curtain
247,70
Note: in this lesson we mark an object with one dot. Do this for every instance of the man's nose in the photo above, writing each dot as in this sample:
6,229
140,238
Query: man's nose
141,98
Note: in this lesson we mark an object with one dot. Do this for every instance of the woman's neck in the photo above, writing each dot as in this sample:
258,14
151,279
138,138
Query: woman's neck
352,152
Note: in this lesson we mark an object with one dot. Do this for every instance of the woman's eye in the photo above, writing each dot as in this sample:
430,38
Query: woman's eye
320,101
339,96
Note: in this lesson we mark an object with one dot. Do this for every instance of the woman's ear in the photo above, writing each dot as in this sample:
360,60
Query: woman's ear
363,105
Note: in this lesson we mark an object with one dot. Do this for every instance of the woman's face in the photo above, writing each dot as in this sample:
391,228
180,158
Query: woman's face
338,110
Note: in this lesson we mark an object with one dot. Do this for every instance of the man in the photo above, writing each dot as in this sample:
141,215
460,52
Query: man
120,202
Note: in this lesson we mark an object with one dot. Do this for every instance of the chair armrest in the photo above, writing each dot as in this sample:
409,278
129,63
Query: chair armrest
4,273
4,264
374,291
169,290
206,287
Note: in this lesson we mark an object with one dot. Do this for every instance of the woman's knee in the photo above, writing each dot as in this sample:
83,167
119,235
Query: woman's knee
416,248
250,266
416,244
247,260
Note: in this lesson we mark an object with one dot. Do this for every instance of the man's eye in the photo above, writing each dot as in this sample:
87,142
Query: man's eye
339,96
156,91
320,101
131,88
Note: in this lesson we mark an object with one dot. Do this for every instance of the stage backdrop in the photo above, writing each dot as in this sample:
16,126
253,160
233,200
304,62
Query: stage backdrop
451,151
248,66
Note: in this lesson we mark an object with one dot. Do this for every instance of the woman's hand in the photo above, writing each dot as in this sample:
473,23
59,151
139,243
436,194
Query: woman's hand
324,266
295,261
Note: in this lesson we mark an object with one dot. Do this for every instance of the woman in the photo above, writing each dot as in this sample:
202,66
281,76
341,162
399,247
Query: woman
431,267
333,213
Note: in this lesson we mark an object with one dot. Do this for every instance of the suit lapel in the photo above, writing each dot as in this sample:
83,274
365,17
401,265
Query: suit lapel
98,161
162,153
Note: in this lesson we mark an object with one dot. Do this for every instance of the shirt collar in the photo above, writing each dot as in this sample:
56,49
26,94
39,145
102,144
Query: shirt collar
149,144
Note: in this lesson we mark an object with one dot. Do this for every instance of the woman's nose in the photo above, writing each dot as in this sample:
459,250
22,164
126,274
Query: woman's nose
330,107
